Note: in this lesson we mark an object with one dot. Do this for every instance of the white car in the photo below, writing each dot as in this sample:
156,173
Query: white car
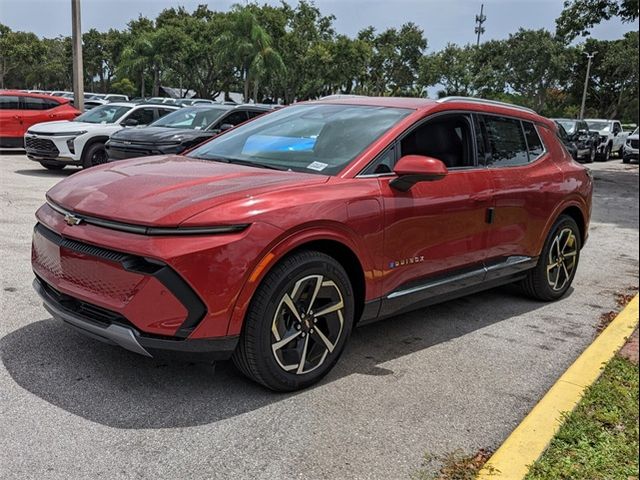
81,141
630,151
612,137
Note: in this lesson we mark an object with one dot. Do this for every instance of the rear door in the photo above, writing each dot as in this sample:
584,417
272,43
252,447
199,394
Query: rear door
38,110
522,172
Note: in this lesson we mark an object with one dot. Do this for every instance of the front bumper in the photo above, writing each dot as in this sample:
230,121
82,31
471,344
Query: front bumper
121,151
630,153
138,304
53,149
108,327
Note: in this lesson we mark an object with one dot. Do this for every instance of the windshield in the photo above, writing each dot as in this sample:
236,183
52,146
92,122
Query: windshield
305,138
568,125
602,126
103,114
192,118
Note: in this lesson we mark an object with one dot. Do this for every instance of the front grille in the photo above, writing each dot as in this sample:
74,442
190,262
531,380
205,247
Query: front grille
41,145
634,143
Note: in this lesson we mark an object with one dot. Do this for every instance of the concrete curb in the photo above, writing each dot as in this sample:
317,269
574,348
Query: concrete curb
529,439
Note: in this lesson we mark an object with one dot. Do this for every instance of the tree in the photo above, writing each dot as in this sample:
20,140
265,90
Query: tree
450,68
19,52
579,16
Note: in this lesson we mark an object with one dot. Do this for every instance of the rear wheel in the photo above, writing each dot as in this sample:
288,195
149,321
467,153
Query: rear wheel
592,155
298,322
52,166
94,155
557,265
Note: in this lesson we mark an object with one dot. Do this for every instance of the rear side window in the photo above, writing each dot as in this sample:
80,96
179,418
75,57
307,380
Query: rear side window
8,102
144,116
506,142
235,118
35,103
533,141
164,111
254,114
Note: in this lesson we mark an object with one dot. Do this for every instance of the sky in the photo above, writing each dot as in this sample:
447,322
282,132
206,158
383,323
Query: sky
443,21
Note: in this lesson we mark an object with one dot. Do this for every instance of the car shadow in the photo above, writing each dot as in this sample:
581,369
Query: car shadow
616,197
114,387
44,173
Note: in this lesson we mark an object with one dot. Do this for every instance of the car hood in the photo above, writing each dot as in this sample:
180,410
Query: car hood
167,190
63,126
159,134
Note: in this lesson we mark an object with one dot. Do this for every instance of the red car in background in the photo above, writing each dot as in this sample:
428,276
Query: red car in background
268,243
20,110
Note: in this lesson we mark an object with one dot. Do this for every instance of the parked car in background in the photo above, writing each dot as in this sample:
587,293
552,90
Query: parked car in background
180,130
270,242
577,133
81,141
186,102
630,151
20,110
612,137
93,103
116,97
566,141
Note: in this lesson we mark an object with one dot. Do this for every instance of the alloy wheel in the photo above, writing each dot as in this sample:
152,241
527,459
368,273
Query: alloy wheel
307,325
562,259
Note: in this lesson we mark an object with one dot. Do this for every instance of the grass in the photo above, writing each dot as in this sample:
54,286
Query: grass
453,466
599,439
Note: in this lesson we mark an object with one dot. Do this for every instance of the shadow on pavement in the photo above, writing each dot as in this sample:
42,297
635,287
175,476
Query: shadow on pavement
616,197
43,172
113,387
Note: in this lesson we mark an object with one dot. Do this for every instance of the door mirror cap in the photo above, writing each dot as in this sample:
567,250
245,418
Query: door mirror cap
412,169
130,122
225,126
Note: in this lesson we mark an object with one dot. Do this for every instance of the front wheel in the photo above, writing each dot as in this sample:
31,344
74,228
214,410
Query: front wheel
556,268
94,155
592,155
298,322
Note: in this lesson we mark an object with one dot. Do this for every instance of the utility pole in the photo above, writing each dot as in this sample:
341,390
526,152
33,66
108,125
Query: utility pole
586,82
78,71
480,19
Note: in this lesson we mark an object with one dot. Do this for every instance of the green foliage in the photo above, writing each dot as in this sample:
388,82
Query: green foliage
580,16
124,86
292,52
600,437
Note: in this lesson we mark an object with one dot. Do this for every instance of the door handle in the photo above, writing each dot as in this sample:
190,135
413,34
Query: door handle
17,117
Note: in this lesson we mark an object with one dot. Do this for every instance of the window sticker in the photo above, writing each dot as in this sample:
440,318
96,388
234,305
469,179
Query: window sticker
317,166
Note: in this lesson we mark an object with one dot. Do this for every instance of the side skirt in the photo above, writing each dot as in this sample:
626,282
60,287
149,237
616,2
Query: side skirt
456,284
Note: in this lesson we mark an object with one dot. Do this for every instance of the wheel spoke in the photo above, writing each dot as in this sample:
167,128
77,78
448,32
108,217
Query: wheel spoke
566,273
303,356
330,309
314,295
292,306
330,346
278,345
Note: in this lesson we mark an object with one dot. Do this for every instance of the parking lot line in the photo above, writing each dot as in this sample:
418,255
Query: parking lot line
529,439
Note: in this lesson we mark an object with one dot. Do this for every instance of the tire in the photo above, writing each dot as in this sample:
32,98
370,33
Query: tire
293,282
607,154
592,155
539,283
52,166
626,159
94,154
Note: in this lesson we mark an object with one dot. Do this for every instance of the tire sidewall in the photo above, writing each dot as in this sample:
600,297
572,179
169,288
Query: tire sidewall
89,152
562,223
274,286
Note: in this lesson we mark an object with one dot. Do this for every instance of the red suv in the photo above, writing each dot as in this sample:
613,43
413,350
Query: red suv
20,110
268,243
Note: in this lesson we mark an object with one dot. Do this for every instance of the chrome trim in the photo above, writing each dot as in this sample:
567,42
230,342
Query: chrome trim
146,230
485,102
509,262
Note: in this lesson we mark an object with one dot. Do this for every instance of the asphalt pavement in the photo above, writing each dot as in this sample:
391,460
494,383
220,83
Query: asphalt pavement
453,377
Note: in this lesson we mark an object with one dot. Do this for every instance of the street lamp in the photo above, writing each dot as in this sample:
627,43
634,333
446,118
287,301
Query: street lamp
586,82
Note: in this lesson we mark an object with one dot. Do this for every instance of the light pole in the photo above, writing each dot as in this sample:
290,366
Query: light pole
76,39
586,82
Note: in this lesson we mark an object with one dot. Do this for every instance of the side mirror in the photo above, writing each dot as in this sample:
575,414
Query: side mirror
412,169
225,126
130,122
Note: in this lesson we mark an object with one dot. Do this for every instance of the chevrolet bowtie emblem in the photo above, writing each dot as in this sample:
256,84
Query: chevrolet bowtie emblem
72,219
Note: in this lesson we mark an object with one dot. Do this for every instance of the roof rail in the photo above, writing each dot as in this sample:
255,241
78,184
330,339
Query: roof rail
486,102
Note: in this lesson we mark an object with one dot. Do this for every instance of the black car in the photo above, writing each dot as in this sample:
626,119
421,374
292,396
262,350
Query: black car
581,143
179,130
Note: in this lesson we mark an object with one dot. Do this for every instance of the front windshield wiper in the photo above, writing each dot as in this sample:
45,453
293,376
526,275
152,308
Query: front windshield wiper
247,163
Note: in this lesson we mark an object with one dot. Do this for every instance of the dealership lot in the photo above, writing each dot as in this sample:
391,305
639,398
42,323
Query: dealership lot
455,376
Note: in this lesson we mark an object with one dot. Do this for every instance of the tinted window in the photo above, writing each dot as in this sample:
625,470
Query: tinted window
194,118
164,111
34,103
103,114
506,142
253,114
8,102
144,116
312,138
383,164
533,140
235,118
